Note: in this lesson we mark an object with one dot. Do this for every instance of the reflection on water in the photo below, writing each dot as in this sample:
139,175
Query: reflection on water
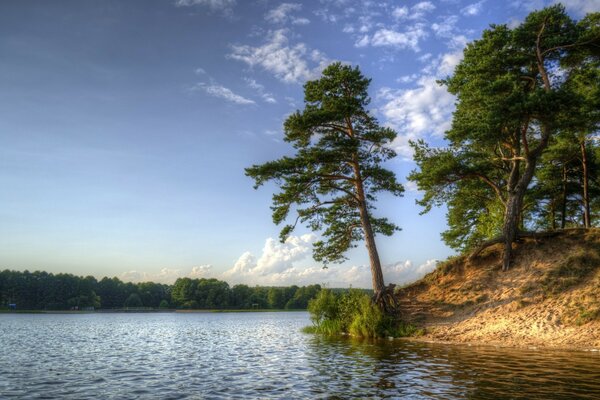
263,355
408,369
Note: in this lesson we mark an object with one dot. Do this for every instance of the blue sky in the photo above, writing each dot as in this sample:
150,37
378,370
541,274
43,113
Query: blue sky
126,126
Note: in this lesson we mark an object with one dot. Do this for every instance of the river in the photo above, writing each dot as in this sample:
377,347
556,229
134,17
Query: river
263,355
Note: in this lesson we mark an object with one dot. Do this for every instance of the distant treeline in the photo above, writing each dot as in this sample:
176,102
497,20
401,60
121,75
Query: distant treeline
46,291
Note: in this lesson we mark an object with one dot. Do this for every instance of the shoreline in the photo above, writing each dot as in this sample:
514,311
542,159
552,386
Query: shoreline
497,345
119,311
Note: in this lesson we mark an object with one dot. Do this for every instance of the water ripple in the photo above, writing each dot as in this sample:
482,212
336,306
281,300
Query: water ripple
263,355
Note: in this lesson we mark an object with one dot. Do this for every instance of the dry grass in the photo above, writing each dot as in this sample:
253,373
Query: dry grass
550,296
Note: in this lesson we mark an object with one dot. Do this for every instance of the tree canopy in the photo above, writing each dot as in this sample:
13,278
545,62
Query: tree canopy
518,92
333,179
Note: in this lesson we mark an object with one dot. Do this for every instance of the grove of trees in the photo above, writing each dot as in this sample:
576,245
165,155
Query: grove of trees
46,291
523,150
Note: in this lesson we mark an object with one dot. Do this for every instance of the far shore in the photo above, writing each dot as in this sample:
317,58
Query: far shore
127,311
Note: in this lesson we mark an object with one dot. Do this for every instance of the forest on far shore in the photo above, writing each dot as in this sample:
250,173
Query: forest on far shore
41,290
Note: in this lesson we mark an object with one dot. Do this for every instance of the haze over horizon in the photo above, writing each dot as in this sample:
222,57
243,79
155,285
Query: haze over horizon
126,128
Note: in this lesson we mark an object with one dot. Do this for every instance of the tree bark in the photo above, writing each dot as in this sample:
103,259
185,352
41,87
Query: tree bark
587,220
365,220
514,205
563,215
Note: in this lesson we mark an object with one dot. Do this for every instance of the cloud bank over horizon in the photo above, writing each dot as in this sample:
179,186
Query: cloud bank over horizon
289,263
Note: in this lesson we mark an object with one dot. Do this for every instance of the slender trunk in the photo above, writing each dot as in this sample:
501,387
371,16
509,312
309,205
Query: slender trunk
563,218
587,220
365,220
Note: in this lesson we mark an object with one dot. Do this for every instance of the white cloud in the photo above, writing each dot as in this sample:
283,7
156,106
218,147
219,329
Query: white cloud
448,62
165,275
577,7
283,13
285,264
287,62
400,40
415,113
362,42
201,271
445,28
223,6
411,187
300,21
200,71
407,78
419,10
289,263
580,7
222,92
472,9
400,12
260,90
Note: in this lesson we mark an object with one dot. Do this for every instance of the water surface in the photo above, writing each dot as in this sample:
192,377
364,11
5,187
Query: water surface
263,355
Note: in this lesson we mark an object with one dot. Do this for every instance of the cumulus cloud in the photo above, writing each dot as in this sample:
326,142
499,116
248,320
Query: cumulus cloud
419,10
289,63
580,7
165,275
283,14
276,258
290,263
577,7
446,28
223,6
285,264
472,9
447,62
201,271
417,112
400,12
391,38
222,92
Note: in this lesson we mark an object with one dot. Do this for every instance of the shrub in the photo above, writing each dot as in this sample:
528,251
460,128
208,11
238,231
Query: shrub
163,304
323,307
353,313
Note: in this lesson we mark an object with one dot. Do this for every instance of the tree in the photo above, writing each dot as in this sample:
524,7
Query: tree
336,173
133,301
513,97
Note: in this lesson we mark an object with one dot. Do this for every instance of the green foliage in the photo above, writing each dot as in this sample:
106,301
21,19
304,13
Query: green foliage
353,312
164,304
324,307
336,170
44,291
133,301
519,90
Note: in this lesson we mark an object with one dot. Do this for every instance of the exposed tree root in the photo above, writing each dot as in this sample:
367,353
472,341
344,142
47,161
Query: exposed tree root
521,235
386,300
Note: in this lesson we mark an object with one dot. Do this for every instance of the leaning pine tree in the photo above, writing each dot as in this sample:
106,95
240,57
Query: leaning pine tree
334,177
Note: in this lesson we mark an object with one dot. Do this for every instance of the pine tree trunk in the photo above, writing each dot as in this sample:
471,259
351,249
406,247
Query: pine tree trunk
509,229
587,220
563,218
514,207
365,220
553,214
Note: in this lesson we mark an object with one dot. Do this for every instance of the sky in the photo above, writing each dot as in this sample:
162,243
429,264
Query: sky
125,128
